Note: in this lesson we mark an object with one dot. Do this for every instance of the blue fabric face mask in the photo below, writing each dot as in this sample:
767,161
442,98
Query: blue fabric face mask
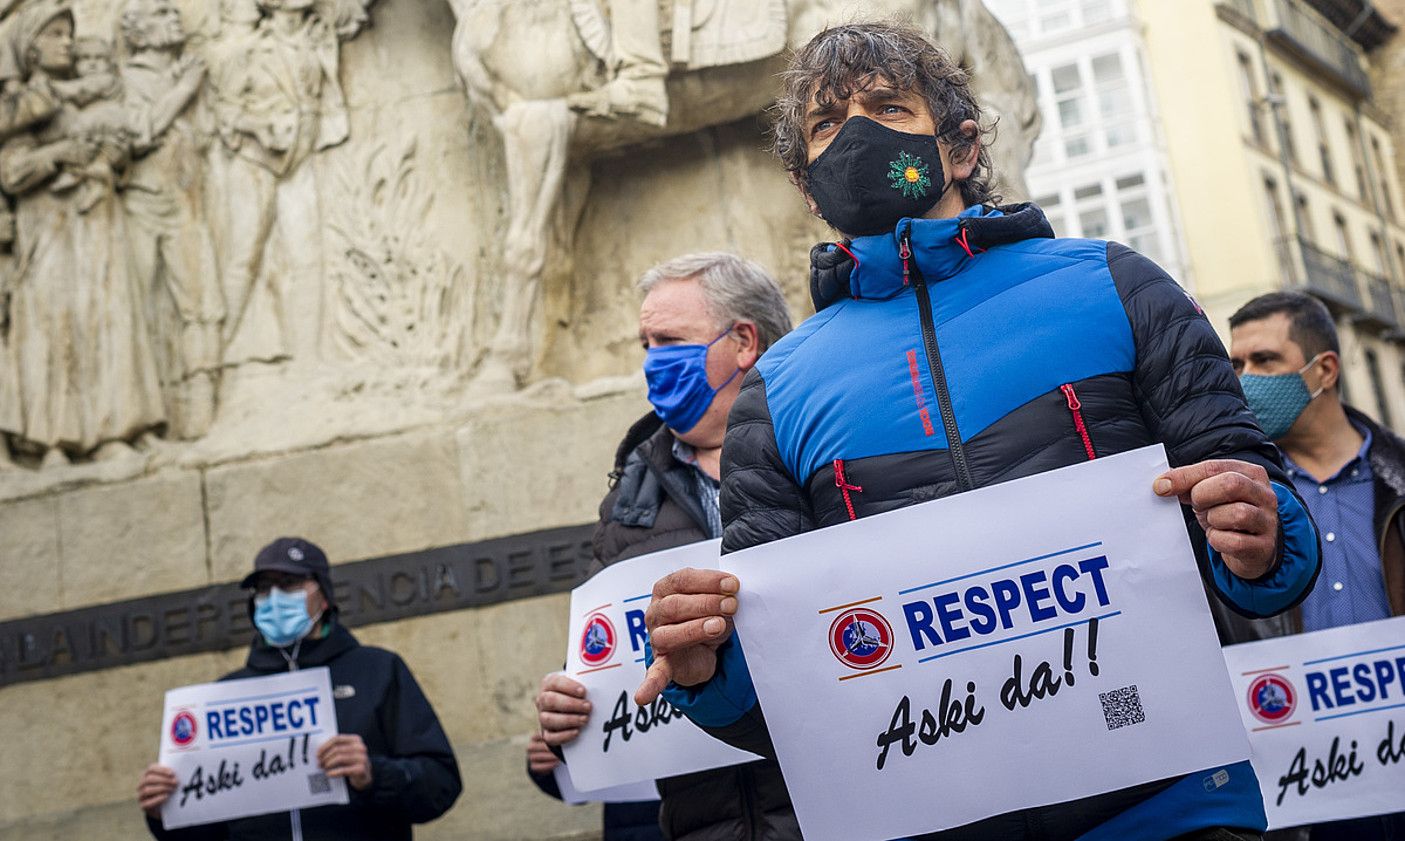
1277,400
281,616
678,387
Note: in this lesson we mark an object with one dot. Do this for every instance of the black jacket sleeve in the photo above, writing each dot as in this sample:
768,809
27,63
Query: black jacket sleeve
546,782
1191,401
420,777
760,500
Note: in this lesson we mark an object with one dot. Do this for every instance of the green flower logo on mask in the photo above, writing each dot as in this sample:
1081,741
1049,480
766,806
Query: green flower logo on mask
909,174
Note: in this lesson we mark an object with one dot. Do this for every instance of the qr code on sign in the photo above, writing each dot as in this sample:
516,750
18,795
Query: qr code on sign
1122,707
318,783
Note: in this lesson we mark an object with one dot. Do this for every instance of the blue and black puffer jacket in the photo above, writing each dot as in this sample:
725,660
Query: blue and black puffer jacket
953,354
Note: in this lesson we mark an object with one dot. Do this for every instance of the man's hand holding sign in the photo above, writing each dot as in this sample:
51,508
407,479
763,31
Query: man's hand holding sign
689,616
1235,506
606,740
691,612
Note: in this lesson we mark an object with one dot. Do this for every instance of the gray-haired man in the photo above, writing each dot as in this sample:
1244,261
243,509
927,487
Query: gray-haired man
704,322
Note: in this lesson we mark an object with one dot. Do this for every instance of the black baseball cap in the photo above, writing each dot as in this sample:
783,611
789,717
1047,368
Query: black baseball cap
295,556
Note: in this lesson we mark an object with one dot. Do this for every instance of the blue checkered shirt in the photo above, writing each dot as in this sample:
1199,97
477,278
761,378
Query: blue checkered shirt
1351,587
705,487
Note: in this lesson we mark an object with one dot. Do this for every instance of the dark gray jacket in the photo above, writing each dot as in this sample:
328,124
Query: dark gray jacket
652,506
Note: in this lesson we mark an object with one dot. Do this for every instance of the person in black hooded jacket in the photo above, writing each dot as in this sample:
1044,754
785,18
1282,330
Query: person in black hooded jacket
399,767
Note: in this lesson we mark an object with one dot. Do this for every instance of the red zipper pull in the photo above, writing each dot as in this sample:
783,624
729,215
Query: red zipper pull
905,252
1073,402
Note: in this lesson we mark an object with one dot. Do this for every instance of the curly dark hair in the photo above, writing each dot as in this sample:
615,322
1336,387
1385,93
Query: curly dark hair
843,60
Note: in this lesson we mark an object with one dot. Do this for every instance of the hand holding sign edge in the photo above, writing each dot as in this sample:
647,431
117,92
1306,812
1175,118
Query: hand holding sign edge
689,616
1235,504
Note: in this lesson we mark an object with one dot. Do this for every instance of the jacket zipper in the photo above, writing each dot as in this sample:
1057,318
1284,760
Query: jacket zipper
842,482
1076,408
934,363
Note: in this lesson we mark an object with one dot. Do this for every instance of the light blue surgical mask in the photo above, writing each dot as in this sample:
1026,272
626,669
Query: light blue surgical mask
678,386
1278,400
281,616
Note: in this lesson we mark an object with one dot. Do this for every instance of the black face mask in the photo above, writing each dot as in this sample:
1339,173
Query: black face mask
871,176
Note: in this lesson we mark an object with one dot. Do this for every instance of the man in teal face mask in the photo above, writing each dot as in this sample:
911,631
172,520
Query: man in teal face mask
390,749
1347,468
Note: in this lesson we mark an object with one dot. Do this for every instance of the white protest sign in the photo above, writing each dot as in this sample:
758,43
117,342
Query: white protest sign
1326,718
623,743
629,793
1025,644
248,747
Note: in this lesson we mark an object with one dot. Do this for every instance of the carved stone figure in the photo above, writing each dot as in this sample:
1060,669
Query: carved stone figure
636,61
277,99
731,50
172,249
85,377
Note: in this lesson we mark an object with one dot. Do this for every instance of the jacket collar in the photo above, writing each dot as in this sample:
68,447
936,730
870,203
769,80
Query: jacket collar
871,268
311,654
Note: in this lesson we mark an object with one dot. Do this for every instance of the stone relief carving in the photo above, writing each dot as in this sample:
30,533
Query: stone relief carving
84,375
187,230
605,90
146,200
400,301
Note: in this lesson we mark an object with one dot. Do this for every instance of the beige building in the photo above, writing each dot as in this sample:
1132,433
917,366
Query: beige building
1285,168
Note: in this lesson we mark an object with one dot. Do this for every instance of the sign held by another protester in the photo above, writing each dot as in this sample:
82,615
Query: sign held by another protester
1325,713
248,747
629,793
624,743
912,664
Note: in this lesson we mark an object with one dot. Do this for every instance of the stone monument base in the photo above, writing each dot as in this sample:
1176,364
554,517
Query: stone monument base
518,465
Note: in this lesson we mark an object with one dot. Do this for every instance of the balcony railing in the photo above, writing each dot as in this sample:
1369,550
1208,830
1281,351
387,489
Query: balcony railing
1313,39
1372,299
1245,8
1380,301
1327,277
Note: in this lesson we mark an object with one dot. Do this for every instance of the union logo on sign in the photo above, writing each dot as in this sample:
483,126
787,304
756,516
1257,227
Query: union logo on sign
183,729
861,638
597,640
1272,699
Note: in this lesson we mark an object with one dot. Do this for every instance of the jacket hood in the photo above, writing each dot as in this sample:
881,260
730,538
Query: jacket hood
871,268
311,654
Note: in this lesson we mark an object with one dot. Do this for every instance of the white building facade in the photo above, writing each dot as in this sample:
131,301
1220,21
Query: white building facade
1099,168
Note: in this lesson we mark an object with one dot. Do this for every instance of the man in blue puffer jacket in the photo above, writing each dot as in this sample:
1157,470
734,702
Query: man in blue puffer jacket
957,345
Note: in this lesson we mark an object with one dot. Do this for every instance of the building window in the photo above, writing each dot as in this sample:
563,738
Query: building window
1344,249
1274,206
1400,262
1068,102
1249,90
1387,202
1324,152
1285,117
1114,97
1378,254
1304,219
1373,369
1093,222
1357,166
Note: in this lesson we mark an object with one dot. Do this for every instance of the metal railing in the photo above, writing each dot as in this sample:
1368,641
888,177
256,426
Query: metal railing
1380,300
1313,270
1299,29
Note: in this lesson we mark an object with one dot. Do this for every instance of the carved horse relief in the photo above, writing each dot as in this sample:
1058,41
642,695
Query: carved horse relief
524,63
